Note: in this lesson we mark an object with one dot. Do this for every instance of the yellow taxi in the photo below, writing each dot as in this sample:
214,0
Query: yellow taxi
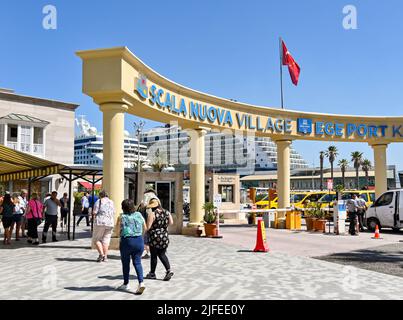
327,200
299,199
264,203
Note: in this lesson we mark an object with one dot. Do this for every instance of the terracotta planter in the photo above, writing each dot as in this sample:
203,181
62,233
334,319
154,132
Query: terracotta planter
309,223
210,229
320,225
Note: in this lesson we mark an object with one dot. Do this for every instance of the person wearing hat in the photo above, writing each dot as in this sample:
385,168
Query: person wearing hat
142,208
158,221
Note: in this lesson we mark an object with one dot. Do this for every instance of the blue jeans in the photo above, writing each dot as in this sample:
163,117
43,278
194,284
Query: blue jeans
132,247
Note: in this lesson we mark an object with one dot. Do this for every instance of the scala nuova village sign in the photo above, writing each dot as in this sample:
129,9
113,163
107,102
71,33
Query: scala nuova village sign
215,115
120,83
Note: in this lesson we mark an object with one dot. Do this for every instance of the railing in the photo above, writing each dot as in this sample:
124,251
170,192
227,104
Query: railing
12,145
38,148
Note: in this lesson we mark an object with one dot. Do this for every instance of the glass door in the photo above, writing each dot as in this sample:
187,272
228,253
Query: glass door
25,139
164,193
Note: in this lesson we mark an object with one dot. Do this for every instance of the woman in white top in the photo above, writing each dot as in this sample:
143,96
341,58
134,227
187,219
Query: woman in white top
103,217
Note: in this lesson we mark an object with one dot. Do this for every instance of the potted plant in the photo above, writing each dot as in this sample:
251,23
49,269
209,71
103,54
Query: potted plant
210,219
310,216
320,222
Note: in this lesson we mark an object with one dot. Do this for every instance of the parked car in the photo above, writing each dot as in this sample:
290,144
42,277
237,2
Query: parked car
386,211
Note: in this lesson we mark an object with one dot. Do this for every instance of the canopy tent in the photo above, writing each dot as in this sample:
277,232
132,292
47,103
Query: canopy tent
16,165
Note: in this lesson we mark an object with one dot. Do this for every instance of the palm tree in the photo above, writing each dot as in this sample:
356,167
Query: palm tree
366,166
321,158
331,154
343,164
356,158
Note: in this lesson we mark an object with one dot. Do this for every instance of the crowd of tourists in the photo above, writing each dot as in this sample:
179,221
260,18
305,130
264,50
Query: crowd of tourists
142,229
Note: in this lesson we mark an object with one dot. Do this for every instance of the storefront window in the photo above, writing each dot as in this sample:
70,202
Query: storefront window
227,192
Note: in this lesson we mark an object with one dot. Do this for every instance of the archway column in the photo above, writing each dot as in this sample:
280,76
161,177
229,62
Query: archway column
381,182
283,173
197,177
113,159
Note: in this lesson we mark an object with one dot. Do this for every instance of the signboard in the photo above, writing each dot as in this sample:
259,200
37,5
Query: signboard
329,184
217,200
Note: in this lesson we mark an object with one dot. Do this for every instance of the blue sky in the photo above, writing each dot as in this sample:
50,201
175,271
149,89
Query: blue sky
224,47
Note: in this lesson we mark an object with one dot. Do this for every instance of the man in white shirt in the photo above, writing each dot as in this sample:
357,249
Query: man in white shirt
361,209
23,207
352,214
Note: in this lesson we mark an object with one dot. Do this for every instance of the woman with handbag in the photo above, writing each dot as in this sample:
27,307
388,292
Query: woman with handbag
34,218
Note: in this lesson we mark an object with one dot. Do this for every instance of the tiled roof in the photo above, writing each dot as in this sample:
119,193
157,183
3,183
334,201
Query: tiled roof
23,117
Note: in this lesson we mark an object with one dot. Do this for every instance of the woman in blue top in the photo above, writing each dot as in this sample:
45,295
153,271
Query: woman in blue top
132,228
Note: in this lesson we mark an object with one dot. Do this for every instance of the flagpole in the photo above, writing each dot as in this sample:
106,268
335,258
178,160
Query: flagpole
281,73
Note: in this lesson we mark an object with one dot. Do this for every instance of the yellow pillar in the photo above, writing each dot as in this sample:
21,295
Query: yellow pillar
283,173
113,150
381,183
197,177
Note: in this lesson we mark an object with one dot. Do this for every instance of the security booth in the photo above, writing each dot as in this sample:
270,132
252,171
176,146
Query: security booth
169,188
228,185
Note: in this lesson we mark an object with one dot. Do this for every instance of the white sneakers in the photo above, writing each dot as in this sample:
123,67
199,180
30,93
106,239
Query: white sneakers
126,287
140,288
123,287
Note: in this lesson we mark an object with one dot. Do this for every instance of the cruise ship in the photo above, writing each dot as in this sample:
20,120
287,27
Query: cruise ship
88,147
224,152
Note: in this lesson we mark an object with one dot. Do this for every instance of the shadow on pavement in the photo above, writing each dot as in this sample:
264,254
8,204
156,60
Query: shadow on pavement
119,277
95,288
385,259
76,260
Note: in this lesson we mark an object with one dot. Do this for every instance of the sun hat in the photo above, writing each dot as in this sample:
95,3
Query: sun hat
154,203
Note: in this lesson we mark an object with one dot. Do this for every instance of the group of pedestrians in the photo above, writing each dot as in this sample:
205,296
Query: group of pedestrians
356,208
22,213
143,233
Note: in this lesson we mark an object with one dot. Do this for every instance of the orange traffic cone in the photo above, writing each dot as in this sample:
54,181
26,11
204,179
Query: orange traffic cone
377,235
261,245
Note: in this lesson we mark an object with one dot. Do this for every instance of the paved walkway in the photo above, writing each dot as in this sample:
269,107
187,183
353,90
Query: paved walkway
204,269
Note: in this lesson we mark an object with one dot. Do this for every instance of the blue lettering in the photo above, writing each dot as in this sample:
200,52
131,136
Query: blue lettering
396,131
153,94
174,107
319,128
220,113
288,126
269,125
250,122
160,93
383,130
168,102
202,111
350,129
240,122
329,129
338,128
182,107
259,127
278,125
362,130
212,114
194,110
228,118
372,131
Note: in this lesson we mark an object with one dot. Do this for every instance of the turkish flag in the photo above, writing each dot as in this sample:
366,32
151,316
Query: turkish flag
289,61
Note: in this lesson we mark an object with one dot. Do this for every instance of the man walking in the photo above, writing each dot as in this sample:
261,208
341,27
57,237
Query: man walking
64,210
361,209
50,209
352,214
85,206
23,207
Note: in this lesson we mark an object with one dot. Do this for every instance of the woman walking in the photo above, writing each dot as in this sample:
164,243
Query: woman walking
103,217
7,211
132,228
157,223
17,216
34,218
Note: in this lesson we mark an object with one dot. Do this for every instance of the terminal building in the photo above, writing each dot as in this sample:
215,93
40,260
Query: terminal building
223,152
309,179
40,127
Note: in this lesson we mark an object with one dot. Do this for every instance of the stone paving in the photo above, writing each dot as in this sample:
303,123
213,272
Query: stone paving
204,269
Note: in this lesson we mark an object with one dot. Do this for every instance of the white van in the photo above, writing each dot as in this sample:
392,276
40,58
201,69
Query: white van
386,211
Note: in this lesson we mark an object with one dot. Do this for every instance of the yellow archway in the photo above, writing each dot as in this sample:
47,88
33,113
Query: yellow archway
119,82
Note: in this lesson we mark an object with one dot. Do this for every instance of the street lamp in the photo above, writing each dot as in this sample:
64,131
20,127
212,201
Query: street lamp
138,128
